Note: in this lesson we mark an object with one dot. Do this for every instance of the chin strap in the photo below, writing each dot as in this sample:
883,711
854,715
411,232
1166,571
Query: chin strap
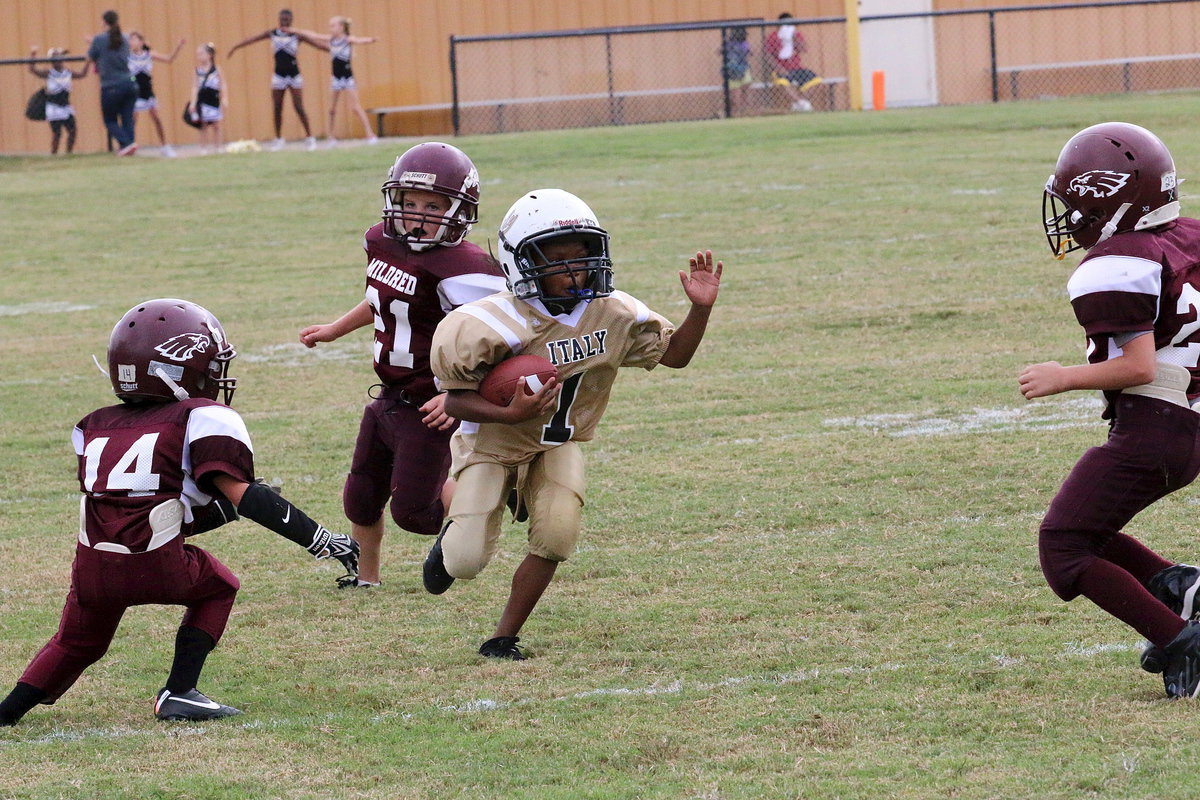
1110,227
177,390
96,361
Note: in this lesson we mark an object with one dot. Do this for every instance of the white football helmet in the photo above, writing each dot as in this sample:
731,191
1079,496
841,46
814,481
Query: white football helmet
533,221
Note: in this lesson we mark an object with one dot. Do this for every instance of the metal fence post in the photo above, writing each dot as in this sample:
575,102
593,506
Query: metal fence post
724,77
454,86
992,45
614,116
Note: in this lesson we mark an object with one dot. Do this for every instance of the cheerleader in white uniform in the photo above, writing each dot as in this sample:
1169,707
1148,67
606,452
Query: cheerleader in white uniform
141,64
59,112
208,103
339,43
286,77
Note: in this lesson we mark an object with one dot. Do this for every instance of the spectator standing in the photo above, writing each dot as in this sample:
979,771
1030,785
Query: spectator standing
735,68
59,112
141,64
109,51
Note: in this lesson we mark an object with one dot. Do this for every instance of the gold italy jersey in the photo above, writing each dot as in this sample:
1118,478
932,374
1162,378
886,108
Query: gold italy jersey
587,346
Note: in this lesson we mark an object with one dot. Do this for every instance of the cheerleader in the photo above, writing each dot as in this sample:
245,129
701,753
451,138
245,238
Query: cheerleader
141,63
284,44
59,112
339,43
208,103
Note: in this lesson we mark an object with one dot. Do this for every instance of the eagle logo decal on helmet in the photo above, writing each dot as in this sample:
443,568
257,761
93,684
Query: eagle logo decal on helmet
1098,183
183,346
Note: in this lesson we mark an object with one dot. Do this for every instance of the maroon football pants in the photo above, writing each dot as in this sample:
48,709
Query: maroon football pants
104,584
398,456
1152,450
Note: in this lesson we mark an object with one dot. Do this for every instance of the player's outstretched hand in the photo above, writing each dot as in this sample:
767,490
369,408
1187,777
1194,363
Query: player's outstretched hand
531,406
435,414
702,281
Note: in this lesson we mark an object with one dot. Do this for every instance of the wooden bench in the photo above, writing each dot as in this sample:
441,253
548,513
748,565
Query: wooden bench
500,104
1015,72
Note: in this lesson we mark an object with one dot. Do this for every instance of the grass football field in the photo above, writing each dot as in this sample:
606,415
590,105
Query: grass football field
809,565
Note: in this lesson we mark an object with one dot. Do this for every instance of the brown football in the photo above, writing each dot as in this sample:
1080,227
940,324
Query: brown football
501,383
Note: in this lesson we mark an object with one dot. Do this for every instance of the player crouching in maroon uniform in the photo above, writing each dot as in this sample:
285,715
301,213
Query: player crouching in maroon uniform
166,463
1137,294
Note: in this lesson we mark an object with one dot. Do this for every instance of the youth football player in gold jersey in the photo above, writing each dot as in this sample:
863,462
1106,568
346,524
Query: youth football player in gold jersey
561,304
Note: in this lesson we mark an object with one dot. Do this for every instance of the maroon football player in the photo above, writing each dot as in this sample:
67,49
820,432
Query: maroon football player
1136,293
419,267
167,462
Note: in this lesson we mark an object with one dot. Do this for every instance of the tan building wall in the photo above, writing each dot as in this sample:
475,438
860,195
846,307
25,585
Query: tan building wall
408,66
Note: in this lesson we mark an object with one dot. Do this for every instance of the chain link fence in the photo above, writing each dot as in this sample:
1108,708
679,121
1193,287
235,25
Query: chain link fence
625,76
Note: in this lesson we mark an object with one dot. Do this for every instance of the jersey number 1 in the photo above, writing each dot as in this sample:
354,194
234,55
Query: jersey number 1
560,429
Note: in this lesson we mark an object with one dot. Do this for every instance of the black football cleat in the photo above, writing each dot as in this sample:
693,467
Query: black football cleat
1181,677
1154,659
502,647
1176,588
433,571
354,582
191,706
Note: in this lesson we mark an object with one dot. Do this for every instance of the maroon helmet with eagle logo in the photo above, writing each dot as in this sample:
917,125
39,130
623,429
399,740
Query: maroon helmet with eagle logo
168,349
432,167
1110,178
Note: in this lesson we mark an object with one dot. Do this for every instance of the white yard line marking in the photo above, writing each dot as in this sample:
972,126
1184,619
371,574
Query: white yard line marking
1042,416
42,308
485,704
294,354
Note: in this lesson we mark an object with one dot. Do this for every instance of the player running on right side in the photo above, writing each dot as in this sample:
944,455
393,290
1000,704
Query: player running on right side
561,305
1137,294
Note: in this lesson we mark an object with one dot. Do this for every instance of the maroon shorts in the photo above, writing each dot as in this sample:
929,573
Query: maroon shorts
398,457
1152,450
104,584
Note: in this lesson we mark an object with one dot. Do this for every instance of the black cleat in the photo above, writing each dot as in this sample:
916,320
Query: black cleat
519,511
190,706
502,647
433,572
1154,659
1181,677
1176,587
353,582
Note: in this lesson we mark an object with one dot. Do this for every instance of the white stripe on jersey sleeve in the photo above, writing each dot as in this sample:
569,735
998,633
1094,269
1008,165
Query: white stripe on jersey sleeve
640,310
77,440
483,315
506,305
216,421
1116,274
462,289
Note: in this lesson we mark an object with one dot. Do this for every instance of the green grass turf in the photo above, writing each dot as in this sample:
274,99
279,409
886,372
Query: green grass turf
808,567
